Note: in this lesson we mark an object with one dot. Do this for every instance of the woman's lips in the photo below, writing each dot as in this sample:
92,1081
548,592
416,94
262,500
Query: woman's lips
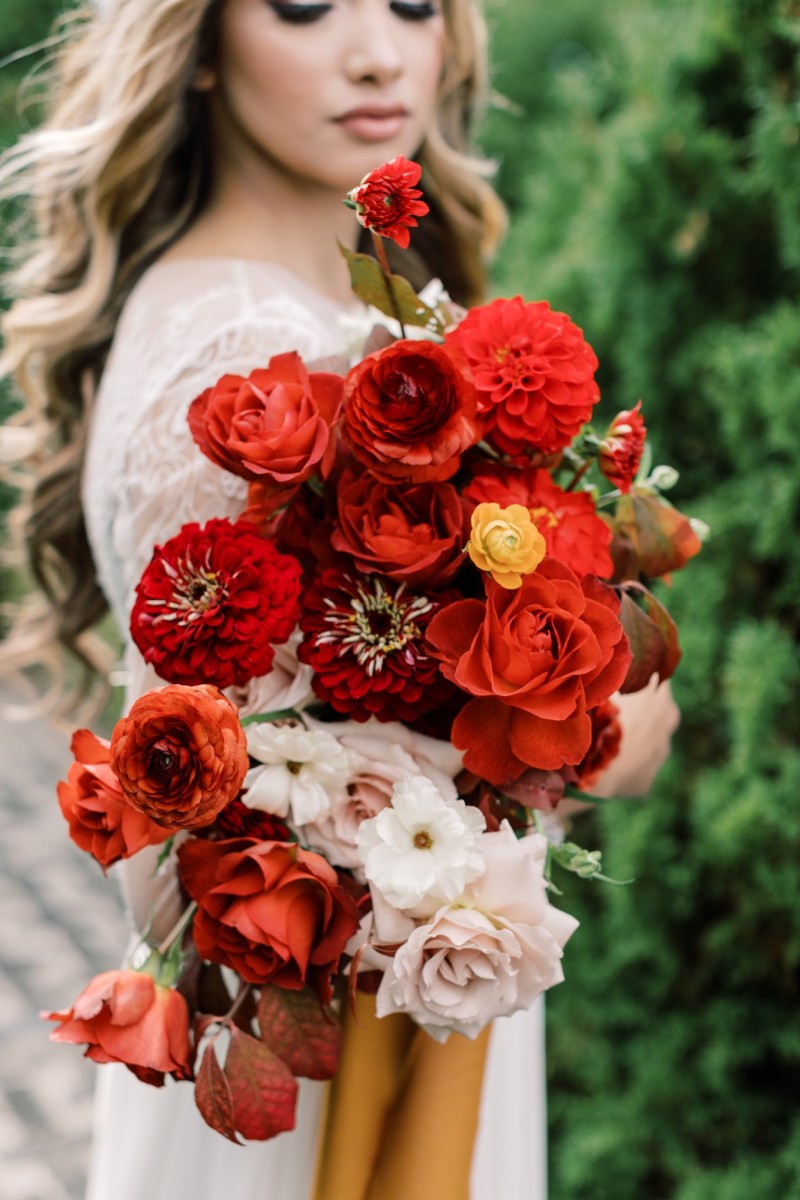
373,123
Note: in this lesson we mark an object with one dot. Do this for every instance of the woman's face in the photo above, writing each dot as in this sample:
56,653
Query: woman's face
324,92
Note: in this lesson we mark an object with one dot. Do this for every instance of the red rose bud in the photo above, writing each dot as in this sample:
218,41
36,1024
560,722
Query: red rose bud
534,373
387,200
213,603
126,1017
180,755
410,413
621,449
101,821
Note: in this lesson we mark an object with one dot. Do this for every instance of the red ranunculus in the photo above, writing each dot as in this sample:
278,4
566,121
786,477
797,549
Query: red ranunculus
568,521
414,534
621,449
101,821
213,603
533,370
388,201
606,741
275,426
273,912
365,639
536,659
126,1017
410,413
180,755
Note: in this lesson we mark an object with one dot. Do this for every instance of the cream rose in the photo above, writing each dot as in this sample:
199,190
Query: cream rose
489,954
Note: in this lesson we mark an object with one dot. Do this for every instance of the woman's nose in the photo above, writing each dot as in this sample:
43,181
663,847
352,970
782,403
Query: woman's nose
373,53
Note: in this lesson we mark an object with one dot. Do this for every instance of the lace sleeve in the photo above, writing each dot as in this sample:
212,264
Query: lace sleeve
144,475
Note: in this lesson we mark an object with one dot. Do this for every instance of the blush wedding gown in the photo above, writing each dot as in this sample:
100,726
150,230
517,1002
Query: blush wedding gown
186,323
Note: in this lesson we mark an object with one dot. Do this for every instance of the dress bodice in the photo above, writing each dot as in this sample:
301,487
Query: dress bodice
186,323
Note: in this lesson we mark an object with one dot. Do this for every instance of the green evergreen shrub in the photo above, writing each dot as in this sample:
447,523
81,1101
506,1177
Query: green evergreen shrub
661,211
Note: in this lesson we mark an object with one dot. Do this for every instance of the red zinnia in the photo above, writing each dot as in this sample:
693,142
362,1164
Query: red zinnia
621,448
212,604
567,521
533,370
388,201
365,638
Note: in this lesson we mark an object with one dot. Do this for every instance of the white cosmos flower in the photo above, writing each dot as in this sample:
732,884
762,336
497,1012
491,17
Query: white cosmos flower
302,770
423,851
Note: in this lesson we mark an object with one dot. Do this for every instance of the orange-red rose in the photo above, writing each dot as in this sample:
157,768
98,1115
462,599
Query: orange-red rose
126,1017
275,425
414,533
535,660
271,911
410,413
180,755
101,821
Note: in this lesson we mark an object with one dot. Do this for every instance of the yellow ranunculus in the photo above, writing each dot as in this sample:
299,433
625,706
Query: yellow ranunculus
505,542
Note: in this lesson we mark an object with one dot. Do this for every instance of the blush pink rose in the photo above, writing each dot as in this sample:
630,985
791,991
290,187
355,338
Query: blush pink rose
488,955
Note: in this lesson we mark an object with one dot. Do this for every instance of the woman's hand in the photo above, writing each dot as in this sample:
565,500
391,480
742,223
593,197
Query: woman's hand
648,719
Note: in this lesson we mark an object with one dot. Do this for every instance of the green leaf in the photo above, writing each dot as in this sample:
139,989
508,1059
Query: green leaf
402,302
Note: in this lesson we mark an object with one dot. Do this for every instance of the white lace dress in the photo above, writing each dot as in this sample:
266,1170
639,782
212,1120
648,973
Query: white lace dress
186,324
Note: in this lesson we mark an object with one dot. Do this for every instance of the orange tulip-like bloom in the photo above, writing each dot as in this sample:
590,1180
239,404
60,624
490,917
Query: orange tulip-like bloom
126,1017
505,542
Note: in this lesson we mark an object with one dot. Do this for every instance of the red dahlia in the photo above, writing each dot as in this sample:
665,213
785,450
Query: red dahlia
567,521
365,639
621,448
533,370
388,201
213,603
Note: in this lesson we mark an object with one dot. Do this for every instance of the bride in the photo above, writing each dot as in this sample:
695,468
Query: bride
187,199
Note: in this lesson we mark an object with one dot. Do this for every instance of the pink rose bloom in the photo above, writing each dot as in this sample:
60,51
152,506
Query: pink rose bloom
286,685
489,954
381,753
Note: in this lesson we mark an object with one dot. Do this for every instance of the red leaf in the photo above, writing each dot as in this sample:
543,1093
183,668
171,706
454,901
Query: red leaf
652,536
297,1028
264,1090
213,1096
652,636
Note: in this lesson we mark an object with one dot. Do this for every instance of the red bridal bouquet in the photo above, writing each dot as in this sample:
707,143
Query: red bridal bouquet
439,583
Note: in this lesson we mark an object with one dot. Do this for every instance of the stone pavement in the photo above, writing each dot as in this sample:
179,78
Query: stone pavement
60,923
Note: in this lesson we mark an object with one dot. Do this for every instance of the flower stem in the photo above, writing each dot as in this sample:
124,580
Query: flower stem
178,928
383,263
578,476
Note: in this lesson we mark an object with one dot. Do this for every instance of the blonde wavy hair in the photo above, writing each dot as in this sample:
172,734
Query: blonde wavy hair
119,169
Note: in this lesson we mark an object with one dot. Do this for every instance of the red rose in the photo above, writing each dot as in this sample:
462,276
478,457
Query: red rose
414,534
126,1017
271,911
275,426
180,755
212,604
365,639
388,201
533,370
536,659
101,821
621,449
410,413
571,528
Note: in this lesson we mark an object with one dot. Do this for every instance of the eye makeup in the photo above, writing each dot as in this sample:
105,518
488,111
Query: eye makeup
306,14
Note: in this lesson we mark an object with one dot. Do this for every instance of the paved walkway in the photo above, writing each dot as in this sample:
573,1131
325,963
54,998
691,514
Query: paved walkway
60,923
